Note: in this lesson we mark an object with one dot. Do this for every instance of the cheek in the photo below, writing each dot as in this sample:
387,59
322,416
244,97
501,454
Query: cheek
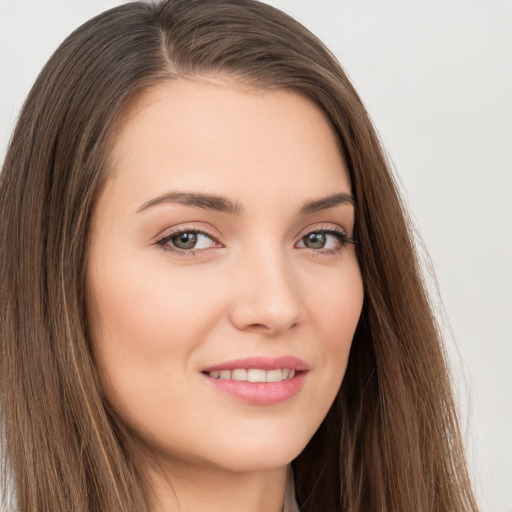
336,306
149,310
144,329
334,312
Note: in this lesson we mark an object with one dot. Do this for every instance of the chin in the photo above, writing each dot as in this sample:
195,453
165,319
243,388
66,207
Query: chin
237,454
260,454
243,462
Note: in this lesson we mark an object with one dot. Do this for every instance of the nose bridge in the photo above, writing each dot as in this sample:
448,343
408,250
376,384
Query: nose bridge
267,295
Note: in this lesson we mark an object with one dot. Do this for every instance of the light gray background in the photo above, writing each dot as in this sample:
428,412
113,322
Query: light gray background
436,76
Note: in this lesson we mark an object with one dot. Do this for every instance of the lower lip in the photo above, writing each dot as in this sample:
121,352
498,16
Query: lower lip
260,393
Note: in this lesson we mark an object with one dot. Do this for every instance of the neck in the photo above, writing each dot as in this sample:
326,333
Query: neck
192,488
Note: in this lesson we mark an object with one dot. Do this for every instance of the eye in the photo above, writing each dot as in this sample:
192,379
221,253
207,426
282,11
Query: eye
188,241
327,240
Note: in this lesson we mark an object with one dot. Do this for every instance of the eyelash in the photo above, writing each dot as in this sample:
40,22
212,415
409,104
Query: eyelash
342,237
163,242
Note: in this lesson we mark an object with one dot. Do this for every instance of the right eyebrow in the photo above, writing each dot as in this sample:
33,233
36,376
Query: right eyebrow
206,201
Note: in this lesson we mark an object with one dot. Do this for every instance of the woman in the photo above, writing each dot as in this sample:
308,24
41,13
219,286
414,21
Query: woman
208,282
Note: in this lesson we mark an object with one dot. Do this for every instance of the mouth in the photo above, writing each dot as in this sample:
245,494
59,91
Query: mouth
258,380
253,374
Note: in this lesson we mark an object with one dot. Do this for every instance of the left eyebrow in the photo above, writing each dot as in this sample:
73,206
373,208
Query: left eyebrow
326,203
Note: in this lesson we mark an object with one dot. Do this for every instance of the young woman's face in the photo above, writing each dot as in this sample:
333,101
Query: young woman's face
222,295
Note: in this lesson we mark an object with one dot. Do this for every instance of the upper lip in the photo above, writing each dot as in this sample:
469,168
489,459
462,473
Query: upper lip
261,362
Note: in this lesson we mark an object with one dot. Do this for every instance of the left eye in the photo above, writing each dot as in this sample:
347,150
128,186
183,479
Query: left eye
188,240
322,240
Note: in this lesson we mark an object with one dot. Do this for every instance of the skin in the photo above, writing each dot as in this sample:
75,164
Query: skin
253,287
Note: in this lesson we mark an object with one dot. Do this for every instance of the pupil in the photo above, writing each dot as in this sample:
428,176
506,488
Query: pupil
315,240
185,240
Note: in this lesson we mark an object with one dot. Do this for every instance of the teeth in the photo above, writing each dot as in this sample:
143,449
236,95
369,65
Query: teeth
254,375
274,376
239,375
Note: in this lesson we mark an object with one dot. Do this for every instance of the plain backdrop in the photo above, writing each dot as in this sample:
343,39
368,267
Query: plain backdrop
436,77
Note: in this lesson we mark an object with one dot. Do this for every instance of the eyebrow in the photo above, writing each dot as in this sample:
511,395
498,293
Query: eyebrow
326,203
225,205
206,201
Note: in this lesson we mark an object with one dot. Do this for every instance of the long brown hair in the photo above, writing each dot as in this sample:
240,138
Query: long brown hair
391,440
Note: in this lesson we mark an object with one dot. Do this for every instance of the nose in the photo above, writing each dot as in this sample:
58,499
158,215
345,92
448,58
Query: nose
266,295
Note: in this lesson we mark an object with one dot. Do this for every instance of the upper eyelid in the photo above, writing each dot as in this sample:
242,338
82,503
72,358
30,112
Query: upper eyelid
322,227
173,231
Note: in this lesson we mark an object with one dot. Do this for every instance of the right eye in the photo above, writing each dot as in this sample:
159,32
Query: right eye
186,242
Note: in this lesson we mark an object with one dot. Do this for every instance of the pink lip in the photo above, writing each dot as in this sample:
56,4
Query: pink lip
265,363
260,393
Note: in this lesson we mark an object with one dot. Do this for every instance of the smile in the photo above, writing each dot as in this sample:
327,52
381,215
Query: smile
259,380
253,374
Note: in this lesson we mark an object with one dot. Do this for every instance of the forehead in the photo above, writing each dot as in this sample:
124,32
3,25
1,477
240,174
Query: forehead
219,136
